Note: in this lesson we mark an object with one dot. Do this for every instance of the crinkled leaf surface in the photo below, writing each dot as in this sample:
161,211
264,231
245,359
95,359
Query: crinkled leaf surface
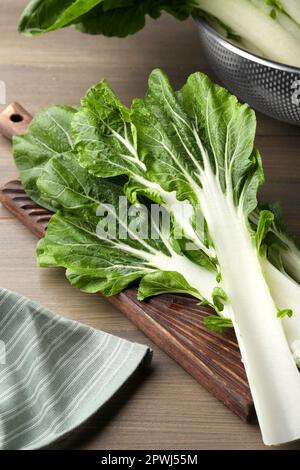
106,145
76,238
109,17
48,136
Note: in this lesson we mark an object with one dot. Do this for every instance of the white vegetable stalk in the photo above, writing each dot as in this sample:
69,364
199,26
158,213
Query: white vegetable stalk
273,376
197,277
292,7
255,26
283,19
286,294
284,290
289,25
181,211
272,373
291,262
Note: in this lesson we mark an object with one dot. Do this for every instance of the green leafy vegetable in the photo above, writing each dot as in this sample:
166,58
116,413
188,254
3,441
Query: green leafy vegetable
77,239
216,323
107,146
219,298
254,24
109,17
194,147
48,136
282,249
44,16
163,282
200,143
266,218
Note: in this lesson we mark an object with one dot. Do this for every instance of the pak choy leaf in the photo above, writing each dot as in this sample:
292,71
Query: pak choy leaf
217,323
200,142
109,17
48,135
42,16
205,137
77,238
282,249
266,219
106,145
163,282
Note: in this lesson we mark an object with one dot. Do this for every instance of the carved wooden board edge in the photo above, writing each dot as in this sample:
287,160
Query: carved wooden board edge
173,322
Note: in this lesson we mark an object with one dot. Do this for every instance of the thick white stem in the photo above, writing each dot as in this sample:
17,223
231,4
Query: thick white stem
286,294
284,20
272,373
292,7
291,262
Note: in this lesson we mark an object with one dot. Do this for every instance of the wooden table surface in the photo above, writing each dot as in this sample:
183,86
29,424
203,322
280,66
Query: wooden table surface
166,408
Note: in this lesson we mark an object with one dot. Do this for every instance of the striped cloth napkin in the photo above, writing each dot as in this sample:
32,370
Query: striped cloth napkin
55,373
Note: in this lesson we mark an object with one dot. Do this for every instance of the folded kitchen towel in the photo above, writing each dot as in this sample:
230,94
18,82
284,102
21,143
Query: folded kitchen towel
55,373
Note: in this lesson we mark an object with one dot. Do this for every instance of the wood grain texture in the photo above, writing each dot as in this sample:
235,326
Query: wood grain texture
167,410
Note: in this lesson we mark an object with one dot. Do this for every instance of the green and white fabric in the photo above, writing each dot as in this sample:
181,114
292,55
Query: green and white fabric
54,373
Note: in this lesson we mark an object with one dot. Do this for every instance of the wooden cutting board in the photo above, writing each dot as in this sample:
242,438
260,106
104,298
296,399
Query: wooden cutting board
173,322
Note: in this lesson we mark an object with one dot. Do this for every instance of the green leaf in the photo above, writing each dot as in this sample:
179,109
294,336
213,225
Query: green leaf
282,250
177,131
219,298
77,238
217,324
73,189
266,218
164,282
228,137
42,16
105,139
118,22
48,136
73,244
196,145
109,17
275,4
106,145
285,313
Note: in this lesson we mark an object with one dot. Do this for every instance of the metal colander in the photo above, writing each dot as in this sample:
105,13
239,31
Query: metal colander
267,86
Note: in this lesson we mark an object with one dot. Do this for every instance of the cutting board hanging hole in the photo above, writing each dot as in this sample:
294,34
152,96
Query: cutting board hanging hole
14,120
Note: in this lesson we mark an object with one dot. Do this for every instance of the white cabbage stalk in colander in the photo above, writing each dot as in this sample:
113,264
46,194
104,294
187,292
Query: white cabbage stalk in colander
271,30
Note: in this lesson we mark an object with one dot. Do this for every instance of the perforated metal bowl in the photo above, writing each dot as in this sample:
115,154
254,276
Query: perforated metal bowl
267,86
